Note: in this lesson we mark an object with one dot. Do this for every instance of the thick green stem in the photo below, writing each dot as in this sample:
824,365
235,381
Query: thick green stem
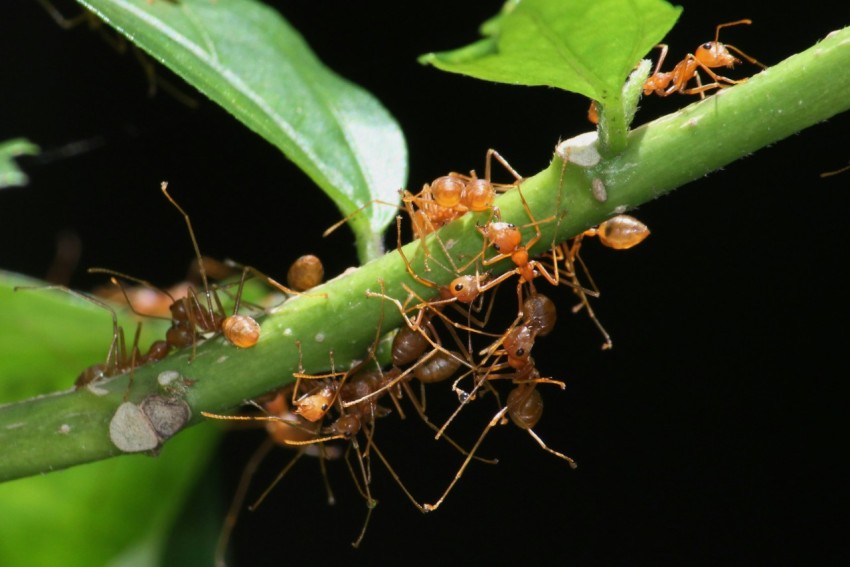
69,428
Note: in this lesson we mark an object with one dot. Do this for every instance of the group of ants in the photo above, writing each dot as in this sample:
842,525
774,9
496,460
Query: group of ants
440,339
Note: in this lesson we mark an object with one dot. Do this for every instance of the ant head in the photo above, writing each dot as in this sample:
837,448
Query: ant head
347,425
464,288
714,54
505,236
313,407
518,344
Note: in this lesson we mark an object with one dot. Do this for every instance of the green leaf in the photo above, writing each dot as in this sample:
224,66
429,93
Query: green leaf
247,58
115,512
587,47
10,174
54,336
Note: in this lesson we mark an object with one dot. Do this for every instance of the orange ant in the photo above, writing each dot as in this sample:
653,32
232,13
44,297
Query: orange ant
289,428
453,195
445,199
708,56
408,349
191,319
538,317
524,404
620,232
506,238
241,330
359,417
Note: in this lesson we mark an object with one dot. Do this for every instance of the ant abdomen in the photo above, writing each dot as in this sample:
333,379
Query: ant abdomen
622,232
408,345
525,406
305,273
441,366
539,314
157,351
447,191
241,330
478,195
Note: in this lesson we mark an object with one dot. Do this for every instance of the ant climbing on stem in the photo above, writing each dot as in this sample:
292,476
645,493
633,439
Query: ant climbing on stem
620,232
445,199
119,359
524,404
290,428
351,420
195,317
708,56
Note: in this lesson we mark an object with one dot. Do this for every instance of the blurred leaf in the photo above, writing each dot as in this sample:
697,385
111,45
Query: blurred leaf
54,336
120,511
10,174
115,512
247,58
587,47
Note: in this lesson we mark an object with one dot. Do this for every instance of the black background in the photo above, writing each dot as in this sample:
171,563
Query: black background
715,428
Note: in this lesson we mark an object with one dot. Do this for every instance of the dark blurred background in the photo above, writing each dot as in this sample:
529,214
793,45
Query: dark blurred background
711,432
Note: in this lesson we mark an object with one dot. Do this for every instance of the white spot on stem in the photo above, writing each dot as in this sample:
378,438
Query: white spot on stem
131,431
167,378
580,150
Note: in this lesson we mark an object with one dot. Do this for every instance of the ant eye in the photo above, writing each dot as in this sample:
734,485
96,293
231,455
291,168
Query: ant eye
707,45
520,352
324,407
458,287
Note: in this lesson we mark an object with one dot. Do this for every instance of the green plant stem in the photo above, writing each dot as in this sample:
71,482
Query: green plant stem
69,428
613,131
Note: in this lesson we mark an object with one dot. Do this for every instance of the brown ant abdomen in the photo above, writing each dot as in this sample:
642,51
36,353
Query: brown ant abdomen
525,406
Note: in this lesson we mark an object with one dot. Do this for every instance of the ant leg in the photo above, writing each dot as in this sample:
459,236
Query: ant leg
540,442
201,269
273,483
491,153
370,502
356,212
238,498
496,419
